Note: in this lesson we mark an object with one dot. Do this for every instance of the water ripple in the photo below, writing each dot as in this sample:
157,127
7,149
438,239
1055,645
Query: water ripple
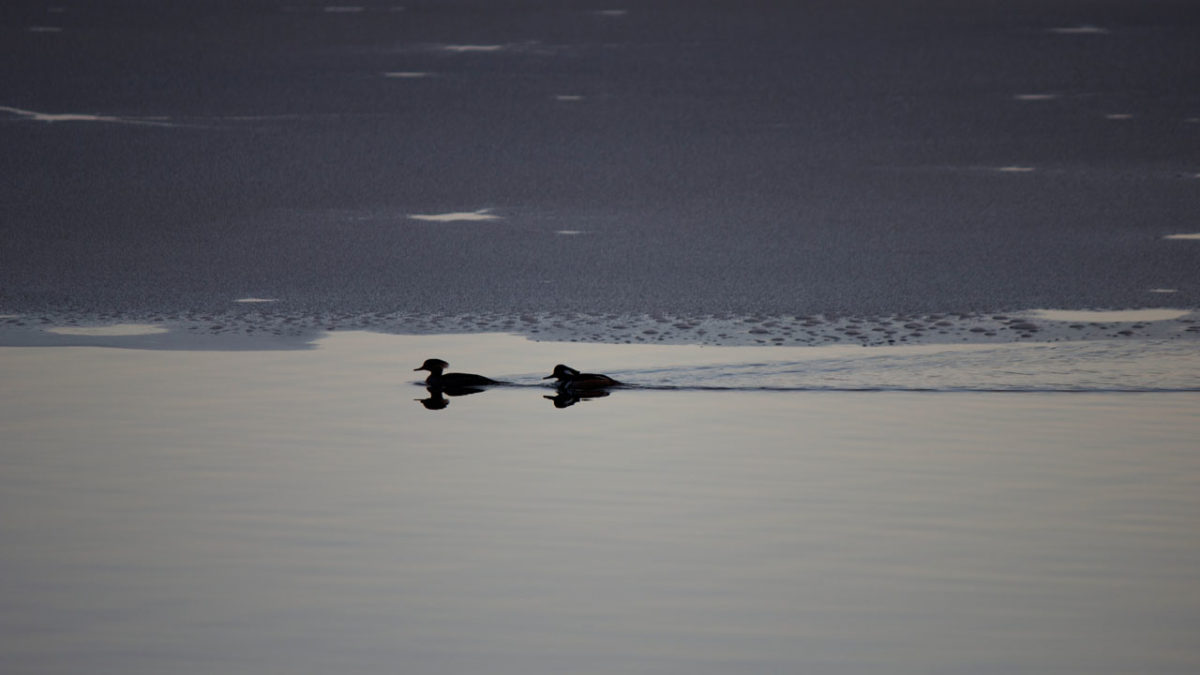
1101,366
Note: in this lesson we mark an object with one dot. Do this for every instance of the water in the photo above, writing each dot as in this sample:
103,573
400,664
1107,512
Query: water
795,174
1113,366
302,512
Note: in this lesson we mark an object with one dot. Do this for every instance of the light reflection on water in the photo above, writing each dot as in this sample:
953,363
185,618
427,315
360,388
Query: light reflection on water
300,512
1080,366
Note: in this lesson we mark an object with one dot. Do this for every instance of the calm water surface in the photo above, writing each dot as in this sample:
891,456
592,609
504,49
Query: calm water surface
302,512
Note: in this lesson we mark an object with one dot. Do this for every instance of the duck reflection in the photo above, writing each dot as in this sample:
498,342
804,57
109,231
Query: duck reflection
437,396
565,398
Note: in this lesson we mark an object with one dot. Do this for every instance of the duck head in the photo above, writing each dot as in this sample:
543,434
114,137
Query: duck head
435,366
562,373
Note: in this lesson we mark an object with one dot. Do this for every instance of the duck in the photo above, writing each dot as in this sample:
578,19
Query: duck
442,380
571,379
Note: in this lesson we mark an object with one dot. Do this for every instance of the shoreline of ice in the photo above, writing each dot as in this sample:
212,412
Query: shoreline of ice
286,330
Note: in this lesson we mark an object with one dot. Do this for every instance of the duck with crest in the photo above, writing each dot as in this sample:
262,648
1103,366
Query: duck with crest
440,379
572,380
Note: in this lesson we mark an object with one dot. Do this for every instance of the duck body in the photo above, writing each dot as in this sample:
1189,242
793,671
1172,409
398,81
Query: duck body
443,380
570,379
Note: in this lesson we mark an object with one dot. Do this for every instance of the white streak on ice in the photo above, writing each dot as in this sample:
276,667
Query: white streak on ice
481,214
80,117
1085,29
472,48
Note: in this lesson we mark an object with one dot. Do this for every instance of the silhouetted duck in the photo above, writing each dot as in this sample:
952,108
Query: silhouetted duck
571,379
449,381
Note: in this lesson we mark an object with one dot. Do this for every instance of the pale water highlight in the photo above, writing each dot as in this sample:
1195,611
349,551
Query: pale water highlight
303,511
110,330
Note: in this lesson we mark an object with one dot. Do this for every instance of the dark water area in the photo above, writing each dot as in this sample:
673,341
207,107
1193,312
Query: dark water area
828,157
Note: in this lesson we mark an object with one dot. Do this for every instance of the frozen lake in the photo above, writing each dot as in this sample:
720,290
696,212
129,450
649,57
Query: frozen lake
861,157
231,229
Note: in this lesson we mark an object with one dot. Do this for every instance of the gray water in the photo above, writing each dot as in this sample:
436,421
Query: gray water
302,512
1081,367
